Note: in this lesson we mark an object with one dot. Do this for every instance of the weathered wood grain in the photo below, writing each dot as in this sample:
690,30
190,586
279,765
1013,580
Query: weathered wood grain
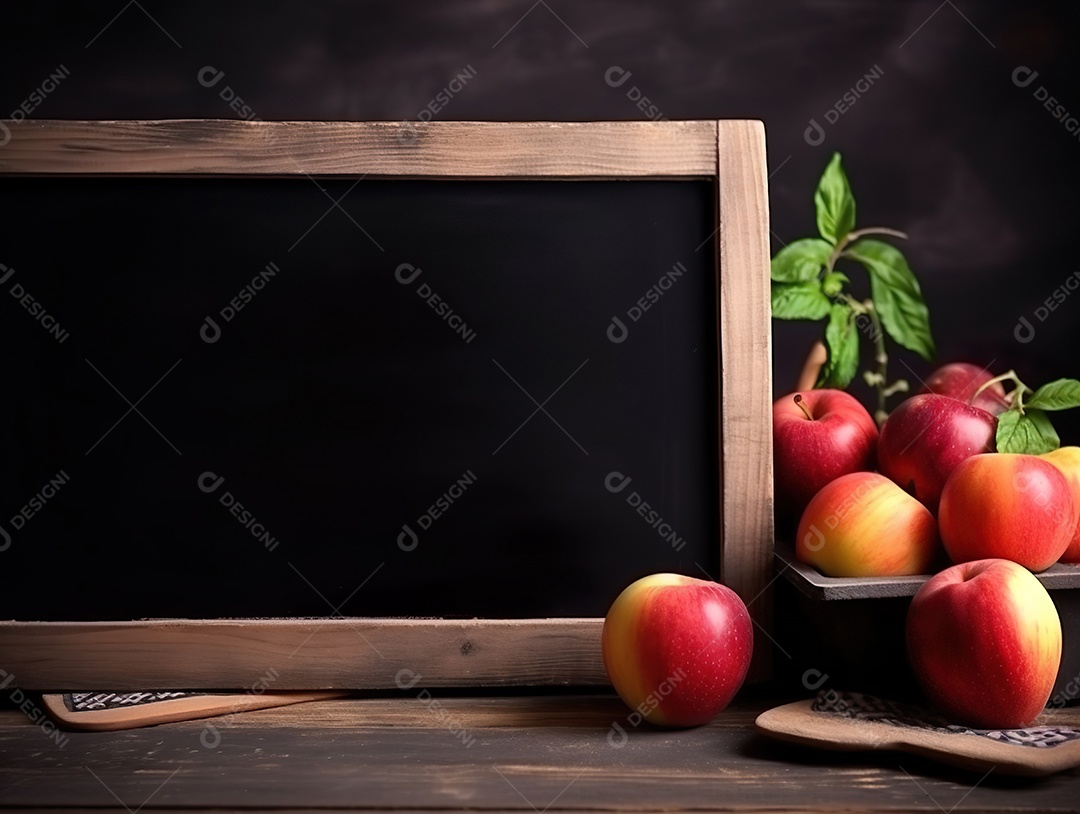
229,656
374,149
570,762
742,247
304,653
811,582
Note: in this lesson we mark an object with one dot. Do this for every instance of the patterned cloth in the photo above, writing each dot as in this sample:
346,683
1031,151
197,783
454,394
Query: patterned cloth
86,701
862,707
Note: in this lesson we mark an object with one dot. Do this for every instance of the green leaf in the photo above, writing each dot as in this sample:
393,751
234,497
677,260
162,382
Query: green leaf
1030,433
799,301
834,202
833,283
800,261
1063,394
842,344
896,295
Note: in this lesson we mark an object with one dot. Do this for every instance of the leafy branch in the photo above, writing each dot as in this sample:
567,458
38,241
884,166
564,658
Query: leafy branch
1025,427
807,285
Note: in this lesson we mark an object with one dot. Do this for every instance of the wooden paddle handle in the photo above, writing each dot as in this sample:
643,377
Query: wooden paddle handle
174,709
812,367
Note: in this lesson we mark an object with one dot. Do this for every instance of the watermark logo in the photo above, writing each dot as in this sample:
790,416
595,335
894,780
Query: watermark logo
814,539
33,307
209,77
210,737
32,711
406,679
617,736
32,102
208,483
210,330
1024,77
616,77
407,273
33,506
617,331
616,482
1069,693
1024,331
1033,482
408,539
814,135
409,130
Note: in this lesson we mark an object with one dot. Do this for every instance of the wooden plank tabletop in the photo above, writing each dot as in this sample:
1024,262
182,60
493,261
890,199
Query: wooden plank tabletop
538,753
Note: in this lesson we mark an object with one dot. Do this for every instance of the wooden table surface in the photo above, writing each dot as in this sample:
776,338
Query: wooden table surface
537,753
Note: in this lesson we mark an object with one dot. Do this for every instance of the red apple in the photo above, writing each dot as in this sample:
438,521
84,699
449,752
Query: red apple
1015,507
1067,460
818,435
677,648
864,525
926,437
960,380
984,640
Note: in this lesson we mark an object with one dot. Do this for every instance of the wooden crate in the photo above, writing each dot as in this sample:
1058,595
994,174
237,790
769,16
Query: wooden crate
143,655
854,626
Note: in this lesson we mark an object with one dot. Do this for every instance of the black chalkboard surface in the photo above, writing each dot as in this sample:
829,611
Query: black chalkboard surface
362,402
479,398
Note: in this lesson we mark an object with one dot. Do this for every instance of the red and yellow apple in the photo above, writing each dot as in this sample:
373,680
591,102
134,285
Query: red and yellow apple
864,525
1016,507
818,435
1067,460
984,640
925,438
676,648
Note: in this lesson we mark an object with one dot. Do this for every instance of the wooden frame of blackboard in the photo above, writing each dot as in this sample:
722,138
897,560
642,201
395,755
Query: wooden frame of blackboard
387,653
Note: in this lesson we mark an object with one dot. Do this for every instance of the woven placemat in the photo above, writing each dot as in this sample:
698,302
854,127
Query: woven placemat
851,721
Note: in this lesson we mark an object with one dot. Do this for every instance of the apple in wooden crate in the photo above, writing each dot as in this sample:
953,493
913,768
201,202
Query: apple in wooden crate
1067,460
926,437
984,641
818,435
864,525
676,648
1016,507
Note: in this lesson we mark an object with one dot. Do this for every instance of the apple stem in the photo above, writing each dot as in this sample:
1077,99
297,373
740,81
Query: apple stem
1015,398
802,406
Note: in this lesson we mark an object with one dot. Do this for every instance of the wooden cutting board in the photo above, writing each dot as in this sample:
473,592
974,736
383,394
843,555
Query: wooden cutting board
857,722
106,711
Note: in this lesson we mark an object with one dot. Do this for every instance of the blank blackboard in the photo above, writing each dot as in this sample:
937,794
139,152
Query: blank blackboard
366,397
361,402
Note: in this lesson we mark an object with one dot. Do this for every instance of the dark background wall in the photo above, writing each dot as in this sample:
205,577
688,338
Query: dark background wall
943,144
